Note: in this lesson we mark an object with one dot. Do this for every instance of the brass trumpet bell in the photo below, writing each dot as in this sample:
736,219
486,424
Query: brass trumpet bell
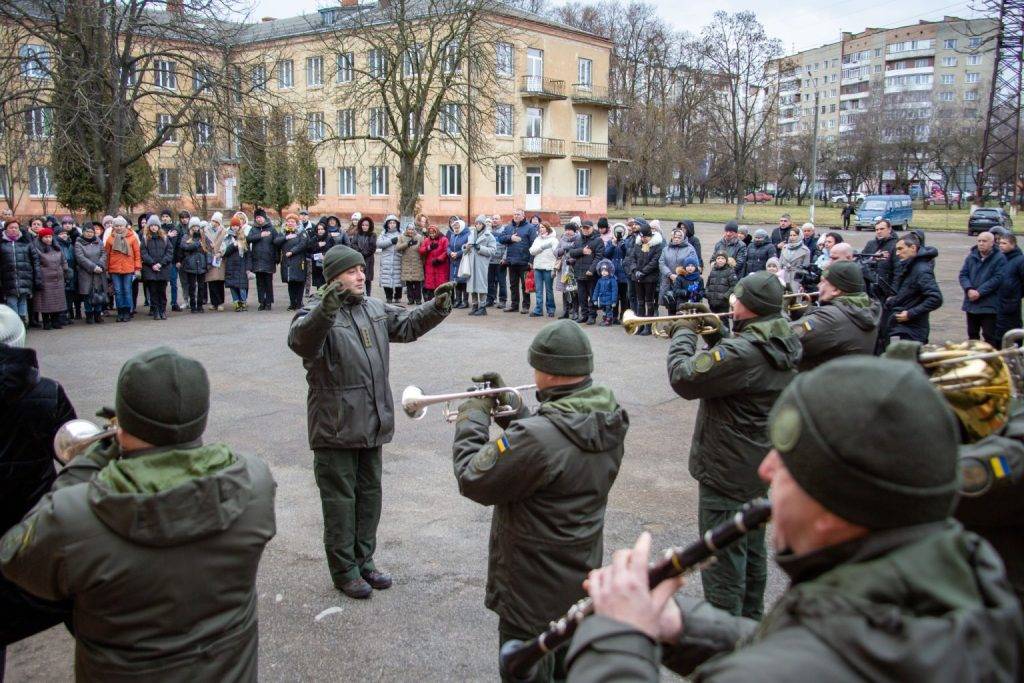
415,402
75,436
632,323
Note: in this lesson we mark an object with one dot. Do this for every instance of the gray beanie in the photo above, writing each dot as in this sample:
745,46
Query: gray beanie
153,220
12,329
760,234
120,222
184,390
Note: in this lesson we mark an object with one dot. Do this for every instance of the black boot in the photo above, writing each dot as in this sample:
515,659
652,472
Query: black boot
58,321
98,317
67,318
47,324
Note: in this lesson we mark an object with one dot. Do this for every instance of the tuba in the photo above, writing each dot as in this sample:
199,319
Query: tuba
978,381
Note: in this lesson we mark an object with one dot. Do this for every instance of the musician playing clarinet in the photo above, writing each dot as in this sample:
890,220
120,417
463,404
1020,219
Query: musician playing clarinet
547,476
885,585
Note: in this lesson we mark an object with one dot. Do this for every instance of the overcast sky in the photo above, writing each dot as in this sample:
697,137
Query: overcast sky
800,24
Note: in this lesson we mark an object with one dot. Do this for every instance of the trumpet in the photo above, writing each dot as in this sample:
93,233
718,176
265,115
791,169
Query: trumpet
803,300
415,402
631,322
75,436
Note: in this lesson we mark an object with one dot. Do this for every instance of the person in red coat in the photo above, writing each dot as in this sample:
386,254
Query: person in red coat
434,251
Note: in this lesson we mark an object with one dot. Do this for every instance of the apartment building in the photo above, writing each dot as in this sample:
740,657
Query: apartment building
908,75
548,147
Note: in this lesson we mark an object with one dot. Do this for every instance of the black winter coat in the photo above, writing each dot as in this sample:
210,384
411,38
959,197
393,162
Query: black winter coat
585,265
153,251
191,256
262,249
235,265
366,244
881,270
645,266
758,255
293,268
719,286
1011,289
20,271
918,293
984,275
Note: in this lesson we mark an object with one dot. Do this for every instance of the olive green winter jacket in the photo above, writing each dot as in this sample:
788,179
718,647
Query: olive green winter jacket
925,603
845,325
548,477
158,552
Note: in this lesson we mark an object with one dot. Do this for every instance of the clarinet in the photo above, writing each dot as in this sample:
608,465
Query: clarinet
518,660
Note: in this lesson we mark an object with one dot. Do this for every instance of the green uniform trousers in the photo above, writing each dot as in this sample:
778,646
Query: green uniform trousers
551,667
735,581
350,493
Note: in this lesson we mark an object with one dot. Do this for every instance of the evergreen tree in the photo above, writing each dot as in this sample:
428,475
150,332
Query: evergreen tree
305,172
252,174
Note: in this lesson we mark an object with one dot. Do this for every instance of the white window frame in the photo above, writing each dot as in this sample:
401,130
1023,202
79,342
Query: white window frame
347,181
204,131
451,119
971,96
346,123
3,180
259,77
285,74
346,64
377,63
414,125
584,127
37,175
947,79
321,177
451,180
584,73
504,121
974,42
973,60
315,71
451,64
165,74
503,177
583,177
504,59
972,77
946,96
949,43
34,61
379,181
949,61
411,60
166,121
164,186
288,127
39,123
378,127
315,126
206,182
201,77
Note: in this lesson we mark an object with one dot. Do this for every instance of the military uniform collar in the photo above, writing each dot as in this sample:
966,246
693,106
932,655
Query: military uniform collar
160,449
555,393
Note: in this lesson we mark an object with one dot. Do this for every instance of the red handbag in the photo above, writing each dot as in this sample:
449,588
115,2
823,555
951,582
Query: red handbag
531,286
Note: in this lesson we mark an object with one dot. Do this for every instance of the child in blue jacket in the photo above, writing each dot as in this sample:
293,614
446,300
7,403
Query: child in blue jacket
688,287
606,292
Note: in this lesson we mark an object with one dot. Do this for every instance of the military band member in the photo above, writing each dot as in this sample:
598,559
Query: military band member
737,380
344,341
884,585
846,322
547,476
154,537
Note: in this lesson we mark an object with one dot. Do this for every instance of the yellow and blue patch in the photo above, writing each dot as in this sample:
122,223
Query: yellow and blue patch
1000,466
502,444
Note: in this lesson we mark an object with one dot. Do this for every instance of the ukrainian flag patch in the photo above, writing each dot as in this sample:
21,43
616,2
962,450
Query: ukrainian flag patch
807,325
717,355
502,444
1000,466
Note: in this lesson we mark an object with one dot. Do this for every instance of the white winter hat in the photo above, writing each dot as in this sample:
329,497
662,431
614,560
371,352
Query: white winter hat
193,221
356,216
217,217
576,220
12,330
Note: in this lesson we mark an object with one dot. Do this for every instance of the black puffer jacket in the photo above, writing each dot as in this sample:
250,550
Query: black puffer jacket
235,264
719,285
917,293
758,254
366,244
191,256
20,272
585,265
645,265
262,249
153,251
293,268
881,272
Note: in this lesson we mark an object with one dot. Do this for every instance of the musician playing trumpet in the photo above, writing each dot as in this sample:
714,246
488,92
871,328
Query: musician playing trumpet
547,476
737,379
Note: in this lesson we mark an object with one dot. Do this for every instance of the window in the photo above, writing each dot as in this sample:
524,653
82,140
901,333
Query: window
206,182
321,180
947,79
346,123
3,181
949,61
946,96
451,118
877,68
204,131
347,180
346,65
971,96
971,77
378,60
451,59
235,76
414,124
286,74
236,138
202,76
503,181
39,184
411,59
35,61
503,119
503,59
582,182
451,180
910,46
378,123
38,123
130,75
259,77
583,127
164,74
585,73
167,183
314,72
949,43
288,127
315,126
164,124
378,180
878,52
973,60
975,42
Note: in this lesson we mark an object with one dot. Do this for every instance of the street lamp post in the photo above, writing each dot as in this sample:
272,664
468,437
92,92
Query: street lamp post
814,156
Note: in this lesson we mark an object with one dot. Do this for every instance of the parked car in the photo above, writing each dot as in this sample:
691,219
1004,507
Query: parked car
895,208
843,198
984,219
758,196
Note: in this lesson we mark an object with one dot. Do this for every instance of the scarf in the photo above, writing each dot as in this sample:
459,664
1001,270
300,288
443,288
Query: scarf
121,242
214,237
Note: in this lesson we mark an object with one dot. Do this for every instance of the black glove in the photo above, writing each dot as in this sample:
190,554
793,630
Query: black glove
695,324
443,297
331,298
484,403
438,261
394,240
496,382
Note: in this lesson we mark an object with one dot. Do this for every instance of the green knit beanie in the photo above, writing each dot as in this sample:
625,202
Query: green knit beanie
887,458
561,348
761,292
162,397
845,276
340,258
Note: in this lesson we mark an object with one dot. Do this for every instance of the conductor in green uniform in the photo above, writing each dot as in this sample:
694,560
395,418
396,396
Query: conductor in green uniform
344,340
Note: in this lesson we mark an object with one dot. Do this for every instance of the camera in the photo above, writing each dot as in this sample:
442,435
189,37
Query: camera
808,277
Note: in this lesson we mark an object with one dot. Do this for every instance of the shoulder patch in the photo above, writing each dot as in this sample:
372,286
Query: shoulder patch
485,458
703,362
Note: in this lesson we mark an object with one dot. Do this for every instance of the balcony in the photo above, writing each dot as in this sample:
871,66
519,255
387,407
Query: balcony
541,148
597,95
909,54
597,151
846,97
540,88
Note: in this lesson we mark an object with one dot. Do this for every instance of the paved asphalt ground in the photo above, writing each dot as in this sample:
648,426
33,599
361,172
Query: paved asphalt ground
432,625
